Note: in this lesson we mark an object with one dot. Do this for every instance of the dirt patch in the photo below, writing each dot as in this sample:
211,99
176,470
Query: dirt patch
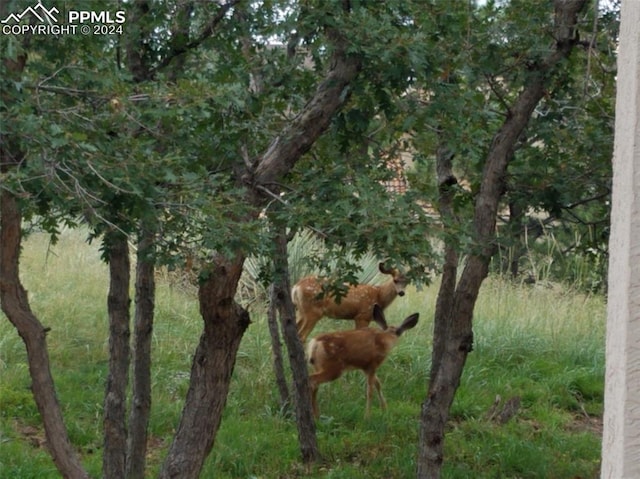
32,434
586,423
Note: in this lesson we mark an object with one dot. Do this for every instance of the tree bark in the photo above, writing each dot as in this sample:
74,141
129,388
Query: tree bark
15,304
301,392
516,215
224,324
444,302
458,314
115,399
141,382
276,350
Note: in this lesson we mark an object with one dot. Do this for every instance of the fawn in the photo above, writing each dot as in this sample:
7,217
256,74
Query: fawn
331,354
356,304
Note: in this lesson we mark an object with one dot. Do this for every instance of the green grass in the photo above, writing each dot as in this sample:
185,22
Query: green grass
543,345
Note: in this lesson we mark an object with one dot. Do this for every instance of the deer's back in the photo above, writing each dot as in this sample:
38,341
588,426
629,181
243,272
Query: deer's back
364,348
357,300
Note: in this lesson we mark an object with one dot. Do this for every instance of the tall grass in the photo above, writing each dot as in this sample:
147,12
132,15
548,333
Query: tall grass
542,345
576,261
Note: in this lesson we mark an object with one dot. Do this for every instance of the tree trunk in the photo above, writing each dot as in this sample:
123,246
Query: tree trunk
444,302
15,305
276,350
224,324
301,392
115,399
143,329
458,314
516,215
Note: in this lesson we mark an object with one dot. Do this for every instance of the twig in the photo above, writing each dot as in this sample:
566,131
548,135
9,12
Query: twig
499,94
207,31
107,182
590,46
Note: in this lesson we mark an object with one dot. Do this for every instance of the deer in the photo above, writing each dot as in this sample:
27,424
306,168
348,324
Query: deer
312,304
331,354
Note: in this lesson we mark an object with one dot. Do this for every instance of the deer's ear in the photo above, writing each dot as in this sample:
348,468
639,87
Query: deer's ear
378,316
382,267
408,323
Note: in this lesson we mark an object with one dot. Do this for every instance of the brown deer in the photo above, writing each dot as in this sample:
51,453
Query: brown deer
357,304
331,354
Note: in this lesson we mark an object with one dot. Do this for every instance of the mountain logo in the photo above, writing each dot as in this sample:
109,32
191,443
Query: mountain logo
39,11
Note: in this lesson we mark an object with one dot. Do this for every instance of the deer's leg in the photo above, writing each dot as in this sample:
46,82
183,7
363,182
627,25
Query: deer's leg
371,383
383,403
298,318
306,323
362,321
300,323
304,328
315,380
314,402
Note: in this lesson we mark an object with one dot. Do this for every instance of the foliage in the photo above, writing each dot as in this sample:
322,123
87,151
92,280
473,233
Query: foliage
558,182
98,149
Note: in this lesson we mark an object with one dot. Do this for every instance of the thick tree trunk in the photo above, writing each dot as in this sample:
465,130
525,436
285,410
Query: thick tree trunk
276,350
115,399
458,314
143,329
444,302
224,324
15,305
301,392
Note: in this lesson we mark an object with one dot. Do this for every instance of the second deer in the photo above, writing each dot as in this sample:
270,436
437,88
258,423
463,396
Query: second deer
357,304
331,354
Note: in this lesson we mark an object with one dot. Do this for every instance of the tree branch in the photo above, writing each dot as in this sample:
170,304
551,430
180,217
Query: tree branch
206,32
285,150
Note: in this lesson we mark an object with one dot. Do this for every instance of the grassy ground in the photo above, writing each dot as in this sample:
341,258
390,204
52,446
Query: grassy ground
542,345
